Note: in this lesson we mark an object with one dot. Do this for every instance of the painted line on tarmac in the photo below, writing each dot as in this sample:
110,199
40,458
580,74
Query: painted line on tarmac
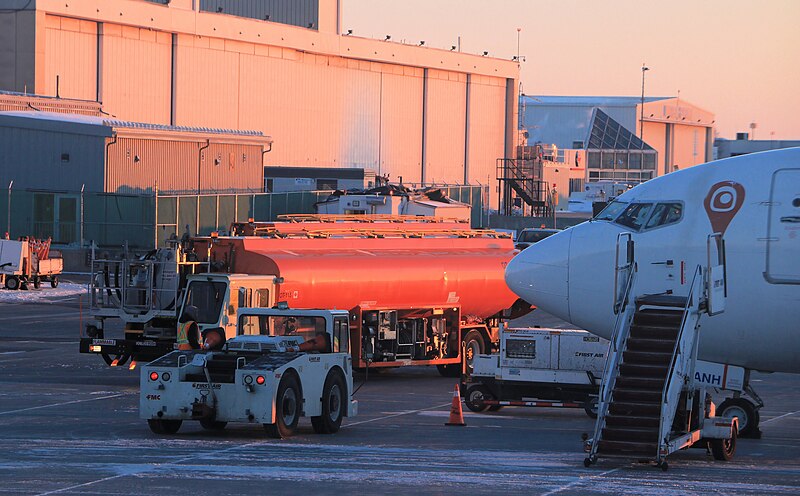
580,480
779,417
396,415
74,315
62,404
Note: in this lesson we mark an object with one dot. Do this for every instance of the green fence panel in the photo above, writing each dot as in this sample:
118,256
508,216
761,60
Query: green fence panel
168,210
208,215
244,208
187,215
227,212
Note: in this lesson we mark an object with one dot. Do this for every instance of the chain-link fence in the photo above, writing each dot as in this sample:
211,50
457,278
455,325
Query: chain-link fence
145,221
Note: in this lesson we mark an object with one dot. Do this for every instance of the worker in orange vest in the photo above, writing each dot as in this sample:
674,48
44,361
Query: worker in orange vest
188,331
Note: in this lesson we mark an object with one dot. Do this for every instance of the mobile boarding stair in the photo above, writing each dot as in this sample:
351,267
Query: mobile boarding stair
649,405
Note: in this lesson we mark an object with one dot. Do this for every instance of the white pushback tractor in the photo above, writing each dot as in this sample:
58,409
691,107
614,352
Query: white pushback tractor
257,377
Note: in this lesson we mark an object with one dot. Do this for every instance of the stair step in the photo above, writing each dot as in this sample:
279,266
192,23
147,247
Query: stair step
637,408
653,331
643,370
658,317
627,447
637,434
642,383
650,344
633,421
662,300
634,395
647,357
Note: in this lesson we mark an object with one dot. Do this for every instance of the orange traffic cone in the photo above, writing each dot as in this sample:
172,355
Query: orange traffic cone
456,415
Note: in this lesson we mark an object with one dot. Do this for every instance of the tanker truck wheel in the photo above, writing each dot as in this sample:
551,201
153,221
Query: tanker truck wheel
287,405
473,346
333,403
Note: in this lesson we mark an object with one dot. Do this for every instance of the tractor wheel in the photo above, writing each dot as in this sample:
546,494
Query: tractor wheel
164,426
744,410
287,404
724,449
12,283
333,404
475,396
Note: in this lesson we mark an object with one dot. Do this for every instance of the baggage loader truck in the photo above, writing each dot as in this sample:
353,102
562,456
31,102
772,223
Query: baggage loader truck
261,376
414,292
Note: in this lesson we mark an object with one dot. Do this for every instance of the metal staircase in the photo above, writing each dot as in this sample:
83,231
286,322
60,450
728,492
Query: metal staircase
649,406
524,177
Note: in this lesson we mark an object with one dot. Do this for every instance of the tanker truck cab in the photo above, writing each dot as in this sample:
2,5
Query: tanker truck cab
262,375
217,297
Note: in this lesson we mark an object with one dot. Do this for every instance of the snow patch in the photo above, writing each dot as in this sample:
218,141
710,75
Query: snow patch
43,294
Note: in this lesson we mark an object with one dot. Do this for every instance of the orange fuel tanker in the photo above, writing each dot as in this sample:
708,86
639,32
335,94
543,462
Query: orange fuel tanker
418,292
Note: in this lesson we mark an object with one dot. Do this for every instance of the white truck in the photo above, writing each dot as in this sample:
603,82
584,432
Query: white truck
538,367
260,376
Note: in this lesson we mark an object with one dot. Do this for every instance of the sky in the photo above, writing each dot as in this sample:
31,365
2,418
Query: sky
739,59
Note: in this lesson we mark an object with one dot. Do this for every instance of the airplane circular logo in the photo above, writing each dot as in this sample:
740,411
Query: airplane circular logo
723,201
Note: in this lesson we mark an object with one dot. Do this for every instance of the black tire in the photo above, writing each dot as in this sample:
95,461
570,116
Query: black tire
37,282
334,395
473,345
53,281
745,411
164,426
212,425
724,449
12,283
287,408
475,396
590,407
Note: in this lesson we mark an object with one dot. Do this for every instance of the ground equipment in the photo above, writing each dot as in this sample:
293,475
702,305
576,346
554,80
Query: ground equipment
260,376
29,261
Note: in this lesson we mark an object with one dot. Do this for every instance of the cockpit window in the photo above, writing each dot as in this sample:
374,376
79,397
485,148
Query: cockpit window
665,213
635,215
611,211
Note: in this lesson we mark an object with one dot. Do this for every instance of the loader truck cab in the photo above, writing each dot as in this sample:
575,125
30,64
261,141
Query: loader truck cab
259,377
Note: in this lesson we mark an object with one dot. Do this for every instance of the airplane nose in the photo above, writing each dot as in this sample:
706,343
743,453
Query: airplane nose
539,274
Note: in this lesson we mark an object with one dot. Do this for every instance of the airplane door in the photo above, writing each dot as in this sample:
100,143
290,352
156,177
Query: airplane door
783,239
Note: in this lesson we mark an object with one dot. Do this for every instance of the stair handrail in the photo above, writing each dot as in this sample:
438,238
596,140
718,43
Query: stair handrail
619,337
683,355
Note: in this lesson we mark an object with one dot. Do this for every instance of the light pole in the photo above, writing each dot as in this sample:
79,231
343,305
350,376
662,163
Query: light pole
641,114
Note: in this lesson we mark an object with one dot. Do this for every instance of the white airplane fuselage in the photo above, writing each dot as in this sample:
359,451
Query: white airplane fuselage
753,200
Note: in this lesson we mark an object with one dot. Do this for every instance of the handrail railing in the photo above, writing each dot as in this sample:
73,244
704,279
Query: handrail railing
629,263
613,357
682,360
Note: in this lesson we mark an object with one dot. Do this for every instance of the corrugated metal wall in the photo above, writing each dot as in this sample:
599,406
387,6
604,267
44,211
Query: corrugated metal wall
137,165
206,84
49,160
71,53
401,124
294,12
445,127
486,138
137,73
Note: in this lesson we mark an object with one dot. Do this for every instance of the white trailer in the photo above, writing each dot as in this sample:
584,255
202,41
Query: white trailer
258,377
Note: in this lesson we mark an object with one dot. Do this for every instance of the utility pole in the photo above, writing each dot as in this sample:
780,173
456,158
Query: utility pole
641,114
